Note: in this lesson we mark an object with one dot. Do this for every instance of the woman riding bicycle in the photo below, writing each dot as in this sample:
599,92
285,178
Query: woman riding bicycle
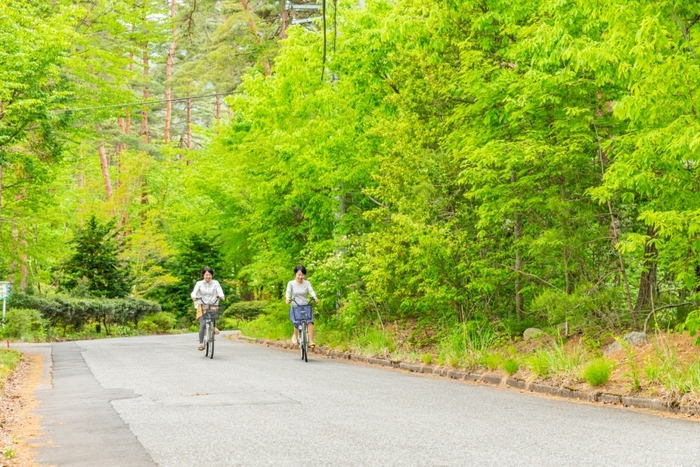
297,290
206,292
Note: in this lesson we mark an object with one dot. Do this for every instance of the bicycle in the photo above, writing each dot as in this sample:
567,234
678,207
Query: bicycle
304,315
210,311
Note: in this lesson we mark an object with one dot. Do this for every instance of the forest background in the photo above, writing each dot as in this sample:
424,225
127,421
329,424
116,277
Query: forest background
449,172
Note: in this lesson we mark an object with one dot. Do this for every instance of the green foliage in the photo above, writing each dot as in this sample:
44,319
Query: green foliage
245,310
691,324
483,168
195,252
491,361
510,365
160,322
228,323
8,361
374,341
272,324
75,312
556,360
597,371
633,372
427,358
24,323
94,270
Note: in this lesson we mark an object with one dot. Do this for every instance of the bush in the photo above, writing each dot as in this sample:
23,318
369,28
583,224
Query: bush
23,323
228,323
248,310
75,312
510,365
162,321
491,361
273,323
148,327
597,371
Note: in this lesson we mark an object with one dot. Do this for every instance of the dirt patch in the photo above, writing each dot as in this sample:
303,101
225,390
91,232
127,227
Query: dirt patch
18,426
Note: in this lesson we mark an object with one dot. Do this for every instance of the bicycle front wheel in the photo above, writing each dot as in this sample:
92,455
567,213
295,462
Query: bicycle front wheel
213,332
304,343
207,338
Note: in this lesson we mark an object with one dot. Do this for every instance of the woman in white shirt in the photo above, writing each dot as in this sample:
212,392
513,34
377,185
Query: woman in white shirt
206,292
297,291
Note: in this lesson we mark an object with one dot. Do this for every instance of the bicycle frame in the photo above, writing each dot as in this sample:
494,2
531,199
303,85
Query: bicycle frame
302,325
210,314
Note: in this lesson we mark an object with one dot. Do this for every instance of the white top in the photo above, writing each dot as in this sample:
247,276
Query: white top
296,292
207,292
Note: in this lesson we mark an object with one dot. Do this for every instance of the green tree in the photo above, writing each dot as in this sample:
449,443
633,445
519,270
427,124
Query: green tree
95,268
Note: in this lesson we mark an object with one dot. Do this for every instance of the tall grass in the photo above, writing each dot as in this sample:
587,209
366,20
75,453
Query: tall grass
597,371
468,343
375,341
556,360
665,369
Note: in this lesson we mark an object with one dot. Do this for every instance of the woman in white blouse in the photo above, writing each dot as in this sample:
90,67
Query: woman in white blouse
297,291
206,292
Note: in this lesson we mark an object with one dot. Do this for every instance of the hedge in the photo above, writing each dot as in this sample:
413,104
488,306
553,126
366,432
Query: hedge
67,311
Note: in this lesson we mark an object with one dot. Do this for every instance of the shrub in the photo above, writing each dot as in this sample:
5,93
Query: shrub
510,365
539,363
491,361
148,327
375,341
8,361
427,358
272,324
75,312
556,360
227,323
163,321
23,322
597,371
247,310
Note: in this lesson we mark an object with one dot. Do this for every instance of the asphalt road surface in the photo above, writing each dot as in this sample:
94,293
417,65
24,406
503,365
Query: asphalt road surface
150,401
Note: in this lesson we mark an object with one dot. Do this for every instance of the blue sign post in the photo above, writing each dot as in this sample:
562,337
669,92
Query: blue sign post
4,295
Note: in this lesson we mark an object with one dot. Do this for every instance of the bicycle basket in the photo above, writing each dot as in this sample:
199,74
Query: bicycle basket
302,313
211,311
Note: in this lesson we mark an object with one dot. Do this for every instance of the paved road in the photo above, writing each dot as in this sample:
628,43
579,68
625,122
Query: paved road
157,401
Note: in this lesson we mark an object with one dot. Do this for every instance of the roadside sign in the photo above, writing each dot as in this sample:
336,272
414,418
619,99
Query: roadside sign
4,295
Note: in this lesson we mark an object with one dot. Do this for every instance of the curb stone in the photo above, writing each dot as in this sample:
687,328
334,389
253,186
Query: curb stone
657,405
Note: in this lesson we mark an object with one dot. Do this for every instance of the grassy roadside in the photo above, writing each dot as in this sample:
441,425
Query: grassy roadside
8,362
666,367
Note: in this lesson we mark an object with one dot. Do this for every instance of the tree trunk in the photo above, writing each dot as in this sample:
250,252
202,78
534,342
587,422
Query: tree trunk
189,122
284,16
104,164
169,75
647,283
21,245
254,32
144,111
517,235
615,231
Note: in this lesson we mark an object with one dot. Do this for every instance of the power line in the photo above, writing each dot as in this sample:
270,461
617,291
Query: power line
138,104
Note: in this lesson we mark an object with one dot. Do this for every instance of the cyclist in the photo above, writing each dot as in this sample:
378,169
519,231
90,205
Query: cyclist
297,291
206,291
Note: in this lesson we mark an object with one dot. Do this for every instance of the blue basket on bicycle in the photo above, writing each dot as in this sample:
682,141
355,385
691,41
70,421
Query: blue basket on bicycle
211,311
302,313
